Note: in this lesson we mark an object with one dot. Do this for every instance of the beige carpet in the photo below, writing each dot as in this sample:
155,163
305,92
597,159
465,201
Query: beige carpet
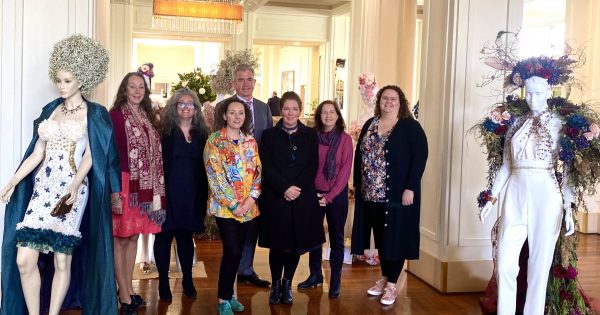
198,271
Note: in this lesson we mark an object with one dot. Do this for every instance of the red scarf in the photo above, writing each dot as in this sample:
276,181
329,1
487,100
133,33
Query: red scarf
146,181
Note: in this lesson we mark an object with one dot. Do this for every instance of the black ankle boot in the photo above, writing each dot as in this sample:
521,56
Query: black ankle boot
334,289
188,287
164,291
312,281
275,295
286,291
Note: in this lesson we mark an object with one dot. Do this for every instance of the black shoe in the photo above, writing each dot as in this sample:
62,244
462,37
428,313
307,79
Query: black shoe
286,291
127,309
334,289
188,288
311,282
137,301
275,294
254,280
164,291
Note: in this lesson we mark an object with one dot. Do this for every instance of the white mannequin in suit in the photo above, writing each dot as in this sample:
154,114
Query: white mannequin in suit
243,83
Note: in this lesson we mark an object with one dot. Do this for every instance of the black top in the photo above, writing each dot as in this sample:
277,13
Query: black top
185,181
290,160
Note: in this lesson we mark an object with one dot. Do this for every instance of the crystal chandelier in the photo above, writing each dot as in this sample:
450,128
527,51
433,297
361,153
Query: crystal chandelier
205,16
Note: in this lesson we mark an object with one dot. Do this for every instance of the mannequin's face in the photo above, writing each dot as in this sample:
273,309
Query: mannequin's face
537,93
67,84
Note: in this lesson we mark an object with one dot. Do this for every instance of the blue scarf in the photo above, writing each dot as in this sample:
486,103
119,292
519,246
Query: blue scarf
332,140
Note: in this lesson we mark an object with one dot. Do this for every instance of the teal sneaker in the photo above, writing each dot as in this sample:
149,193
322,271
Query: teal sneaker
236,306
224,308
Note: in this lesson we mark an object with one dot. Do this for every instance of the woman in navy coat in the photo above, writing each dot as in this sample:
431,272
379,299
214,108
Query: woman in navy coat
389,161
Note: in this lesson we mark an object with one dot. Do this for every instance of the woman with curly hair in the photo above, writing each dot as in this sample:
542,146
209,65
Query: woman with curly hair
234,176
183,136
141,205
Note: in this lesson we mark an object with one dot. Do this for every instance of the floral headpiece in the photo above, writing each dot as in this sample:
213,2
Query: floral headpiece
555,71
146,69
83,57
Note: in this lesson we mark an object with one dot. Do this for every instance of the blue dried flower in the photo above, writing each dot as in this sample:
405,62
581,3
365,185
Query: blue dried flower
489,125
566,149
577,121
581,143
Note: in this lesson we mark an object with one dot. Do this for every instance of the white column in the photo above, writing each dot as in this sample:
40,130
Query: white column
583,30
455,247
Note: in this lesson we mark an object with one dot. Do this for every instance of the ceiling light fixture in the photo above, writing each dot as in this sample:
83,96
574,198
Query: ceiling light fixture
205,16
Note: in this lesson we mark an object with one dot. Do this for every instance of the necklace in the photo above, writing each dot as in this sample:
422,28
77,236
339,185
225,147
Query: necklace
68,112
289,130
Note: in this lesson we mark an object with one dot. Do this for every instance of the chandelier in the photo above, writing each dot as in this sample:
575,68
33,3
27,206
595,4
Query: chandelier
205,16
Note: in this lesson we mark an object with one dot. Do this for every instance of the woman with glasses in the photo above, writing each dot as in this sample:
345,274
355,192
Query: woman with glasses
389,161
233,168
183,136
291,221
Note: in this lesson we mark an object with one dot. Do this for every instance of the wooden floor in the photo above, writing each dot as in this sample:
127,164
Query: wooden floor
416,297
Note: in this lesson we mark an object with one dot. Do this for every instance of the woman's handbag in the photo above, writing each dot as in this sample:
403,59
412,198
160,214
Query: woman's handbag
61,206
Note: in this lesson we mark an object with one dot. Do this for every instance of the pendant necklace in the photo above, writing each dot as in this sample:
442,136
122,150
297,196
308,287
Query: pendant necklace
68,112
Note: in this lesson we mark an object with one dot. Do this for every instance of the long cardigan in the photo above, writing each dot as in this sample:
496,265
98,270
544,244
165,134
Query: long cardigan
93,278
293,226
406,155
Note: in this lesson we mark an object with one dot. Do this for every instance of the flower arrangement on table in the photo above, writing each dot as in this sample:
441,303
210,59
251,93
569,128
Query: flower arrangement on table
222,80
197,82
579,155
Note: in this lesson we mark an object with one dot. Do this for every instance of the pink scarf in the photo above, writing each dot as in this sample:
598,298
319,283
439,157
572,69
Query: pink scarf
146,181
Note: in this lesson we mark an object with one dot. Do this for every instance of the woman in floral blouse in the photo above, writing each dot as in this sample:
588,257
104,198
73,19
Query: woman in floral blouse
389,161
234,176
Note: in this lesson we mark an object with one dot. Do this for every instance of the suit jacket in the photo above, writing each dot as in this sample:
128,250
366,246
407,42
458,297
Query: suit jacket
93,279
263,119
273,103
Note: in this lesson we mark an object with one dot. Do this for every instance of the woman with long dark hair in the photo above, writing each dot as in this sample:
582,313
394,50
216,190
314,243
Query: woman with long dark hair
142,205
335,164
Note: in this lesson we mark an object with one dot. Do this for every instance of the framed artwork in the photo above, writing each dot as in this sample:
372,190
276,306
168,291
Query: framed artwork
287,81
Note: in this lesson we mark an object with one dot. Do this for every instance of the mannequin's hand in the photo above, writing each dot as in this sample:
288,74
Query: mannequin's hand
72,189
569,224
483,213
7,192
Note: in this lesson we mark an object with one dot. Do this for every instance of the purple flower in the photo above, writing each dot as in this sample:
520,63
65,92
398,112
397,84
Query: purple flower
571,273
566,149
581,143
566,295
571,132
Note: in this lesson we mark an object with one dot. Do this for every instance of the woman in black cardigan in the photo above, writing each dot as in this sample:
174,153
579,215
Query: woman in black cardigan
291,221
183,136
389,161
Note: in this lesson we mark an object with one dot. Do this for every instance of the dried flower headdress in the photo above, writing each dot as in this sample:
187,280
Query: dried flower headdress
82,56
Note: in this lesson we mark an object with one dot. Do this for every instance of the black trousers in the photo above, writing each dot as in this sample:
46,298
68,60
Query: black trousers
390,269
336,213
282,262
185,251
233,234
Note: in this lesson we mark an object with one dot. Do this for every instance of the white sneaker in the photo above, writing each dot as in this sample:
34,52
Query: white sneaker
378,288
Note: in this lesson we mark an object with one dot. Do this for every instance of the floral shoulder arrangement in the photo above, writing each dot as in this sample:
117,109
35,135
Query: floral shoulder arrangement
579,152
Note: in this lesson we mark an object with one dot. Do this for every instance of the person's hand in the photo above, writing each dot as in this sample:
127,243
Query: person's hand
408,197
483,213
322,201
72,190
569,224
7,192
292,193
116,203
247,205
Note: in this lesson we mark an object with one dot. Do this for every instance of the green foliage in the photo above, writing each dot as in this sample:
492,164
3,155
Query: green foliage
197,82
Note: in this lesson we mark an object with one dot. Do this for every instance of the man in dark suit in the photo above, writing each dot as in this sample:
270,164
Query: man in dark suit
243,83
273,103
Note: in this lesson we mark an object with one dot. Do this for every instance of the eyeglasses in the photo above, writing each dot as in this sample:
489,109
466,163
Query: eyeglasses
183,105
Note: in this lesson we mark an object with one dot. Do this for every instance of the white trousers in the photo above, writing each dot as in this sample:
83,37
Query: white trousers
532,211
